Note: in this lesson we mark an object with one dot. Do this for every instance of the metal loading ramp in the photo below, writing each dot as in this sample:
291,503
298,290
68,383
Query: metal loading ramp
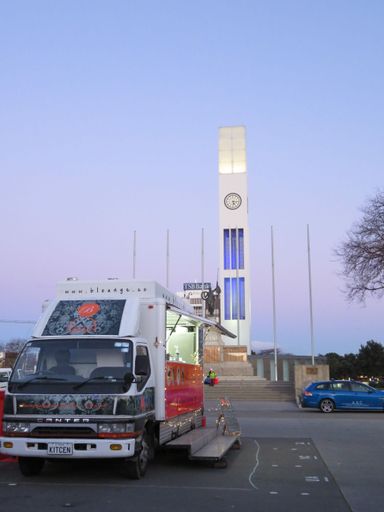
211,444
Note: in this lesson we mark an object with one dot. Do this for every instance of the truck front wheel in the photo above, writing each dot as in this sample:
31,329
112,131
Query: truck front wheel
136,467
30,466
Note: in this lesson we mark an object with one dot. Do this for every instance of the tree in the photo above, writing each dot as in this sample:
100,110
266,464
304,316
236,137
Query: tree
371,359
15,345
342,367
362,253
335,362
351,366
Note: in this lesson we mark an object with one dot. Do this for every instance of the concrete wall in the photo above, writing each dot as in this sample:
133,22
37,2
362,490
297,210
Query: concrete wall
263,365
305,374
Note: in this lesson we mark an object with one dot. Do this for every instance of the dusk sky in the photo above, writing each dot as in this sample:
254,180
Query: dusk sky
109,118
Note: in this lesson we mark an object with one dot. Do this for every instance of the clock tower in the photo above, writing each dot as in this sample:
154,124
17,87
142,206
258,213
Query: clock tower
234,276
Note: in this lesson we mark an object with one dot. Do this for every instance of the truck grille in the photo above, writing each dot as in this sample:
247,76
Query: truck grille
64,432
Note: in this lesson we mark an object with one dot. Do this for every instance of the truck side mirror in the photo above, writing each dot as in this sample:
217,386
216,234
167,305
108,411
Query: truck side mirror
142,365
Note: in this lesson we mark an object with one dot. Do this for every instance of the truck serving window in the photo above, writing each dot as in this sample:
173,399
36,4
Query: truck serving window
182,339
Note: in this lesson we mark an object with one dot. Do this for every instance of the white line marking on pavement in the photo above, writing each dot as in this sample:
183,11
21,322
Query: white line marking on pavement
256,465
312,479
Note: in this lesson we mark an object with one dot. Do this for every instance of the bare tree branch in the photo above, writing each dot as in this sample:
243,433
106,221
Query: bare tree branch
362,253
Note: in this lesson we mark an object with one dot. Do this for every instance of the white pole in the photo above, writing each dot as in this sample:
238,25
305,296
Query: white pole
202,272
237,285
167,261
274,304
134,256
310,298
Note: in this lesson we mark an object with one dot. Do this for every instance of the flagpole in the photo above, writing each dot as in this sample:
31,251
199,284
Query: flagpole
134,256
310,298
274,304
202,272
167,261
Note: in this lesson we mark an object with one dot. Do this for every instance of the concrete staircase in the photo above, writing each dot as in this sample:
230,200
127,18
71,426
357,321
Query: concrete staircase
250,388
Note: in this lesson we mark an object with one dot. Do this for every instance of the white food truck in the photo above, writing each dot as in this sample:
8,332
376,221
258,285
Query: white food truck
113,370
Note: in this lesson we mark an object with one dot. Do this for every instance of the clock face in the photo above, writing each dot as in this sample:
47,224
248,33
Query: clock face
232,201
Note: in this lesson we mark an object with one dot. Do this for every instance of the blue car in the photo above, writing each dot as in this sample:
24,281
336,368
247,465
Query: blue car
329,395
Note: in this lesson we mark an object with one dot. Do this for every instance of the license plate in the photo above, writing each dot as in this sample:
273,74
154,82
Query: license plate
60,449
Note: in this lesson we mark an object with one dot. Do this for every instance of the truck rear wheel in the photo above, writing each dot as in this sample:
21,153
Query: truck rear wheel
136,467
30,466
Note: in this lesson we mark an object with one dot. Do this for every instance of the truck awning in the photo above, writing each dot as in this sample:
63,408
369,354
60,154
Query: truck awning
182,318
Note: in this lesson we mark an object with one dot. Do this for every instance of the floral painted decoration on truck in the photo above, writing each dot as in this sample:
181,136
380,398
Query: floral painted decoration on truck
76,317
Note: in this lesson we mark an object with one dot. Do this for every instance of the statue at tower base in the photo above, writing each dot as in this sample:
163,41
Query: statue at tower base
226,360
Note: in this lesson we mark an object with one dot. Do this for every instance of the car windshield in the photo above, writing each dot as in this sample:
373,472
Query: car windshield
58,361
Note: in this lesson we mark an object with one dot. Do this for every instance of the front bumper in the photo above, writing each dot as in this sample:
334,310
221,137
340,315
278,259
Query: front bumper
81,448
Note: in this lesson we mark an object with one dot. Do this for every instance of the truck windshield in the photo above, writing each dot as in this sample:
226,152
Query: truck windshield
58,361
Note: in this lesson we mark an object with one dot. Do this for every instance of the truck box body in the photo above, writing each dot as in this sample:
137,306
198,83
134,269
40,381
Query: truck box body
141,310
113,367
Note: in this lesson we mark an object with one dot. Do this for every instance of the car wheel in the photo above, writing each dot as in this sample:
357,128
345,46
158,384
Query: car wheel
327,405
30,466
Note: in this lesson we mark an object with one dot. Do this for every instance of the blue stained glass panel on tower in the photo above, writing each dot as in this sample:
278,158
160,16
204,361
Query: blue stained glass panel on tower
233,249
234,298
242,298
241,247
226,250
227,298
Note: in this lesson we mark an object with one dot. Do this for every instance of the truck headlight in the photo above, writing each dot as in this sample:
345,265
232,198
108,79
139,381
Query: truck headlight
12,427
115,428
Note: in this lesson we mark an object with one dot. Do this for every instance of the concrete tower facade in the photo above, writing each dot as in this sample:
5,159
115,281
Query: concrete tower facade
234,267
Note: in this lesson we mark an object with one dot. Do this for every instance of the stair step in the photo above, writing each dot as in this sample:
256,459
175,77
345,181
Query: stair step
194,440
216,448
249,389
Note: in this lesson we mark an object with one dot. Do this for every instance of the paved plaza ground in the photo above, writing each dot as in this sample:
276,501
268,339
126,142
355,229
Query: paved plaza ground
290,459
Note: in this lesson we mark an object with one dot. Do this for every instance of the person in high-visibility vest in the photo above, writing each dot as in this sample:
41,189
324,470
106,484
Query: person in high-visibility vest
212,376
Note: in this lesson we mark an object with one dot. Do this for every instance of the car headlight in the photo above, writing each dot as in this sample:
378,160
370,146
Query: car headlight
115,428
11,427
